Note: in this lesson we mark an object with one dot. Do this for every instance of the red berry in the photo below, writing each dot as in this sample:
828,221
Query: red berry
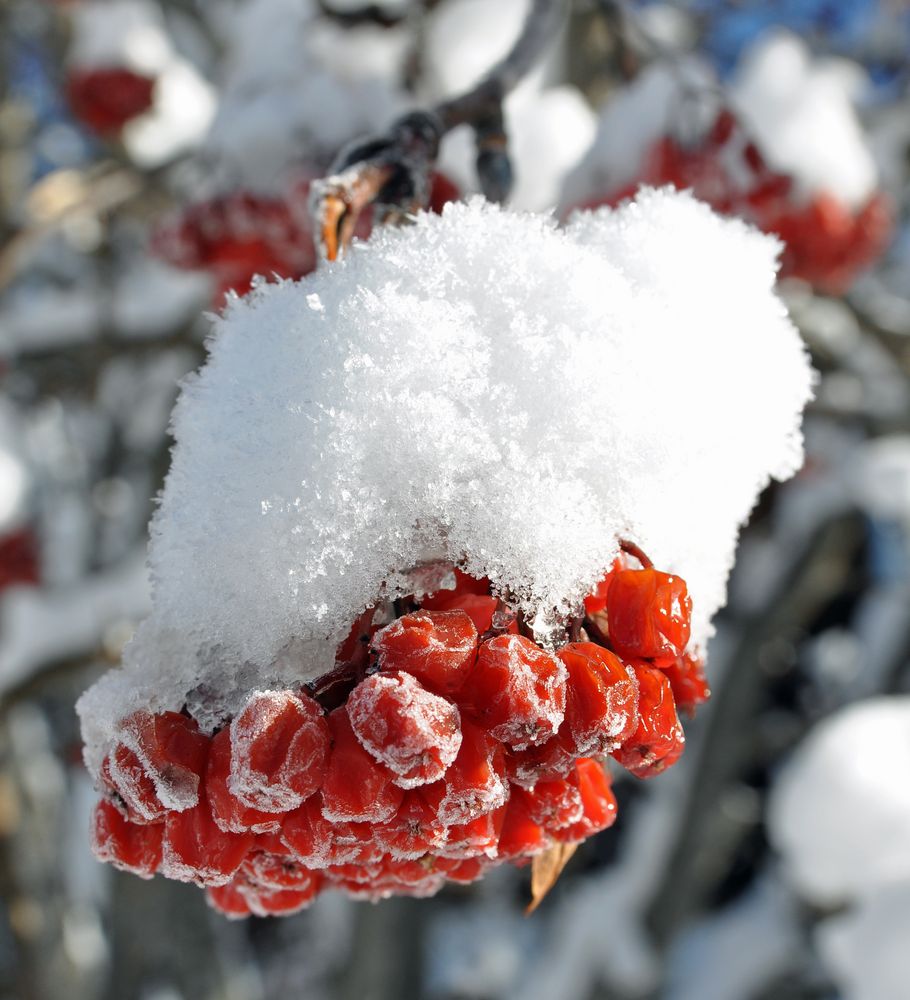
437,647
479,836
106,98
602,699
265,902
649,613
279,750
553,759
687,679
228,812
357,787
317,842
475,783
517,691
463,870
125,845
20,563
196,850
276,871
480,608
228,900
597,800
412,732
658,741
520,836
158,763
414,830
596,601
556,803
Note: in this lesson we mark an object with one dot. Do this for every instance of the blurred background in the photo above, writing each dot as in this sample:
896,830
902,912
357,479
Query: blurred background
156,155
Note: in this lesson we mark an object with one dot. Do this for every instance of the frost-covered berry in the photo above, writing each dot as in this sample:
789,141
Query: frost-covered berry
556,803
438,647
228,812
521,837
279,750
157,764
517,691
412,732
475,782
357,787
317,842
598,804
601,699
658,741
415,830
127,846
686,675
196,850
649,614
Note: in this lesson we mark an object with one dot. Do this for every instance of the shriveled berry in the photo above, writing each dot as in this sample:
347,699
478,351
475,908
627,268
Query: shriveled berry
601,701
596,601
196,850
414,733
475,783
480,608
649,613
157,764
597,801
658,741
316,842
127,846
277,871
477,837
556,803
279,750
517,691
357,787
520,836
228,812
553,759
437,647
414,830
687,679
229,901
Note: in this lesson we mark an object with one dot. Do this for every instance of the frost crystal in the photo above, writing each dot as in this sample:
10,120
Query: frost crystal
480,388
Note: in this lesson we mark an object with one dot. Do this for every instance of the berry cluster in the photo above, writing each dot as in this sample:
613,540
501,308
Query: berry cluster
444,742
106,98
826,243
239,235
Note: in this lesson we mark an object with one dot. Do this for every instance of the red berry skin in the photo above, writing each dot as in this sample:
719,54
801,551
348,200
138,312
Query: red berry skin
520,836
317,842
649,614
602,699
553,759
357,788
596,601
598,803
125,845
265,902
196,850
414,733
478,837
690,686
277,871
659,740
158,764
480,608
279,750
475,783
228,812
556,803
415,830
229,901
438,647
463,871
517,691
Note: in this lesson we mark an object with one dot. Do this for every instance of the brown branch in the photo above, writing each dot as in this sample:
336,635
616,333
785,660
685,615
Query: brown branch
393,170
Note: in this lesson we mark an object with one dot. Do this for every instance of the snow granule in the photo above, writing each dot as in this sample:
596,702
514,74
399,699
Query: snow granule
480,388
840,812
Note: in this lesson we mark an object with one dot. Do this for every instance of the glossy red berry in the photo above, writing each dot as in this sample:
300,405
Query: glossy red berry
520,837
598,804
414,733
658,741
601,701
649,614
688,682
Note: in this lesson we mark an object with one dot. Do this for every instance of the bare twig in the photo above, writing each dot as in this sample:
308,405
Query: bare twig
393,170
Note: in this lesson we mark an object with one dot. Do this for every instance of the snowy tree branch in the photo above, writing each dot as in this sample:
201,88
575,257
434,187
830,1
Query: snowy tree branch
393,170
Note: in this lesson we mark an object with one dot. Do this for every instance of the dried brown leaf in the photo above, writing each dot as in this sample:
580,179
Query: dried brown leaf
545,870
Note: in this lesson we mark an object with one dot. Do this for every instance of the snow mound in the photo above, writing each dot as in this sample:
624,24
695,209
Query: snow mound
483,388
840,812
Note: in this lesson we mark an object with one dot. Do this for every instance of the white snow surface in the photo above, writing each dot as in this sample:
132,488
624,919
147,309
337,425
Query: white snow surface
481,387
800,111
840,812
